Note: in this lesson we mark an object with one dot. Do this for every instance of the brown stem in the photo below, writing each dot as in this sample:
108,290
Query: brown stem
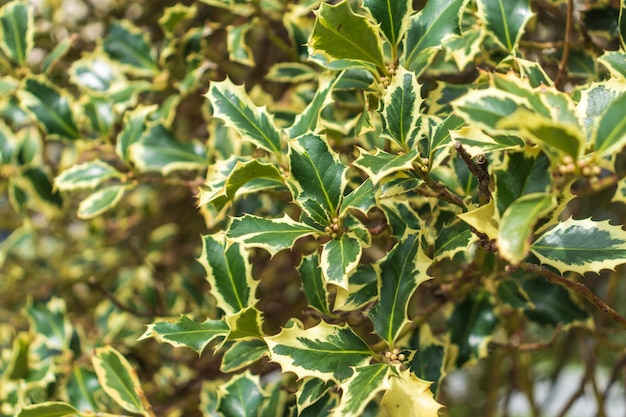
479,170
526,347
578,287
440,191
560,76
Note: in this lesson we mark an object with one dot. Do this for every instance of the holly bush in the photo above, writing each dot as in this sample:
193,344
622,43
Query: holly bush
294,207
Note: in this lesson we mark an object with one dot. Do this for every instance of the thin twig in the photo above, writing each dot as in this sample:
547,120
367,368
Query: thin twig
479,170
578,287
117,303
440,191
560,76
526,347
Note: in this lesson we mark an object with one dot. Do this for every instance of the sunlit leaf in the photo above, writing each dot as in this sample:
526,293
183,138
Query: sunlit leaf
340,257
401,107
50,320
506,20
187,332
245,324
409,396
610,134
358,390
393,16
48,409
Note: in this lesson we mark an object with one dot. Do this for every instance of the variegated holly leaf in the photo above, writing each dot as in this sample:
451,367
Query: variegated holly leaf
238,49
582,246
118,379
133,128
505,20
49,106
325,351
158,150
409,396
313,283
476,142
362,289
273,235
452,239
17,30
484,219
244,325
465,48
382,164
430,359
310,391
340,256
48,409
83,389
340,34
486,108
228,272
615,61
393,17
516,225
187,332
362,198
231,104
242,354
101,201
291,72
87,175
401,107
401,272
50,321
596,98
242,396
128,44
609,137
358,390
318,177
307,120
437,21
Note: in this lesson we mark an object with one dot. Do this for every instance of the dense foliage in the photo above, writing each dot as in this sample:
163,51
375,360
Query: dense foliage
294,207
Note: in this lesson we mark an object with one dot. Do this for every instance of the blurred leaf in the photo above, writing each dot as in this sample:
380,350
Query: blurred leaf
118,379
228,272
48,409
59,51
101,114
596,98
610,134
187,332
86,175
325,351
409,396
17,31
128,45
358,390
340,34
313,283
340,256
242,354
50,107
273,235
133,128
242,396
506,20
291,73
582,246
231,104
19,362
451,240
238,49
429,360
38,185
83,389
101,201
438,20
401,272
50,321
615,61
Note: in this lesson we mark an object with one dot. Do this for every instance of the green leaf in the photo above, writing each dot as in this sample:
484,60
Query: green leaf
238,49
313,283
340,34
39,187
290,72
17,31
83,389
392,15
159,151
242,396
311,391
429,361
319,178
99,111
118,379
48,409
187,332
86,175
409,395
49,106
596,98
242,354
471,325
128,45
133,128
340,257
307,121
358,390
486,108
383,164
582,246
228,272
272,235
465,49
50,321
452,239
516,225
615,61
362,289
437,21
610,134
18,365
401,272
401,107
101,201
362,198
231,104
245,324
505,20
324,351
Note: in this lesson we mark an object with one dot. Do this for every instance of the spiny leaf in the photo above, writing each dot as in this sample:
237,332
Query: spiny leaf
340,257
118,379
307,121
486,108
272,235
401,107
242,354
228,272
393,16
244,324
401,272
610,135
409,396
358,390
187,332
506,19
231,104
313,283
582,246
383,164
340,34
517,224
242,396
324,351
